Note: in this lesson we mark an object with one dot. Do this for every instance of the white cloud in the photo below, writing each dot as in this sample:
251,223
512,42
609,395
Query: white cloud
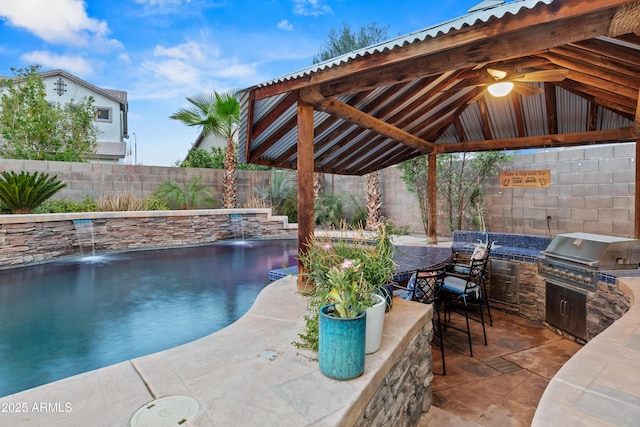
310,8
285,25
189,51
57,21
124,58
188,68
73,64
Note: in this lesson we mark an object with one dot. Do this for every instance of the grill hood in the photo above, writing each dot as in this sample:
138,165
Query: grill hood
596,251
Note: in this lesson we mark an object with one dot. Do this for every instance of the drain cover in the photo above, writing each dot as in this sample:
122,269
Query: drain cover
502,365
166,412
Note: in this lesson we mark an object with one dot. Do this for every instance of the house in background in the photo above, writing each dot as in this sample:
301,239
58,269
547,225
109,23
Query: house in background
111,111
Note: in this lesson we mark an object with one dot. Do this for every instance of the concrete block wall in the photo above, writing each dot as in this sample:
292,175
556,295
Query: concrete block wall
100,179
592,190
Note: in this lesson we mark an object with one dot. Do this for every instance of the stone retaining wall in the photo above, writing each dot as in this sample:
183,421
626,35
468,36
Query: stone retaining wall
29,239
406,393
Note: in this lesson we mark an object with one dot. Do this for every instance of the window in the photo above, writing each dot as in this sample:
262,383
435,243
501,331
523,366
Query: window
103,114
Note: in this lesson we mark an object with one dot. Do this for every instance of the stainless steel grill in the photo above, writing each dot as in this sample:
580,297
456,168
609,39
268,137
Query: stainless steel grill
576,258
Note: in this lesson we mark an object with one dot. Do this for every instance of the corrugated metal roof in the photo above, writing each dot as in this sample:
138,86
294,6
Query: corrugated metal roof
447,106
475,16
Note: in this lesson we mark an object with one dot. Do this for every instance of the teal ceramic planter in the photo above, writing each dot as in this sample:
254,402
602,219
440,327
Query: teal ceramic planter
341,345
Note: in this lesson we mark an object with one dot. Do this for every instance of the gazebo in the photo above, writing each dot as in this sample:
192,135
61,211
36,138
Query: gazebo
573,67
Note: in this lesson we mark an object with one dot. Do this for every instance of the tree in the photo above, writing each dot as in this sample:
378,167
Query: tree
340,42
459,178
33,129
344,40
217,114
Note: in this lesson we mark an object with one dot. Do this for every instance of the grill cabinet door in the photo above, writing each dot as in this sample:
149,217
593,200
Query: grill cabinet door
566,309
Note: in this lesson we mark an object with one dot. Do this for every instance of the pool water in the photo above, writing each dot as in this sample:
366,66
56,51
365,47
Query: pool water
68,317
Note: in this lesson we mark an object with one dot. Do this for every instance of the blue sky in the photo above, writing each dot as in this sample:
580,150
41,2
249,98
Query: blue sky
162,51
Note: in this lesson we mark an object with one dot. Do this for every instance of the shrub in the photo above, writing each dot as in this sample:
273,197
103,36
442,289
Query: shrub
328,210
281,188
64,205
153,203
22,193
120,202
190,196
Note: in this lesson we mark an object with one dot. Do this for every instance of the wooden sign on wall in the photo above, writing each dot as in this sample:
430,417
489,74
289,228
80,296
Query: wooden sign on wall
525,179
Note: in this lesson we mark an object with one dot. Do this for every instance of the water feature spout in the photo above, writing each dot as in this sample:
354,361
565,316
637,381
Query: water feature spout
237,226
85,236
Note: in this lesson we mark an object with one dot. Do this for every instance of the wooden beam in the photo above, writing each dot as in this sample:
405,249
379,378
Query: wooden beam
305,187
353,115
545,141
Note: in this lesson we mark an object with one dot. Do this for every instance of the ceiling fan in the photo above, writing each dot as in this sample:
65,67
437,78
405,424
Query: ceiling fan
504,82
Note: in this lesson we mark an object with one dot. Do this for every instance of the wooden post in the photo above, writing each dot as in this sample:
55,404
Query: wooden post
636,213
432,196
305,186
636,133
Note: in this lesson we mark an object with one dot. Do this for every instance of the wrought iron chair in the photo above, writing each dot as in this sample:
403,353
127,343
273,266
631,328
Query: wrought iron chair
465,288
457,265
425,287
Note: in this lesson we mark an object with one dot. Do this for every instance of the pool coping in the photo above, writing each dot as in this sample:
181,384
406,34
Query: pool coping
248,373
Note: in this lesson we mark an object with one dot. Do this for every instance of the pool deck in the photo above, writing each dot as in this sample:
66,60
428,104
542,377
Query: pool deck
274,383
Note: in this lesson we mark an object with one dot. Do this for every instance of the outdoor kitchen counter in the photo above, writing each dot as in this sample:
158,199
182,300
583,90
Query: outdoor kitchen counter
600,384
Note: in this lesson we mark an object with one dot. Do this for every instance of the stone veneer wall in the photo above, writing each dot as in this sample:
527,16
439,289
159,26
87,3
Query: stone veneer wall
29,239
406,392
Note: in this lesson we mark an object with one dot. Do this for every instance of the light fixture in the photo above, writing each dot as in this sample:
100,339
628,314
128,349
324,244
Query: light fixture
500,89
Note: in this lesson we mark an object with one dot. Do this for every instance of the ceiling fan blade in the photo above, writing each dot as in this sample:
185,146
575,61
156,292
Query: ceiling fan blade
497,74
526,90
541,76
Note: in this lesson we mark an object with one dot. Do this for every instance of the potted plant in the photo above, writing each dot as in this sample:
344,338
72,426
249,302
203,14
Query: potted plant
342,324
374,256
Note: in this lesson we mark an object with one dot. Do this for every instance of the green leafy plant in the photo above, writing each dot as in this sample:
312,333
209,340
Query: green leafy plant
64,205
190,196
281,188
359,218
22,193
328,210
154,203
346,283
324,262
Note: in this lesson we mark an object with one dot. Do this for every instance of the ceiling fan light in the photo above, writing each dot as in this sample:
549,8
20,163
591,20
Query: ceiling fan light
500,89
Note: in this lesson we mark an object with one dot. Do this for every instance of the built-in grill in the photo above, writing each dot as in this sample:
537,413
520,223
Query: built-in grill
576,258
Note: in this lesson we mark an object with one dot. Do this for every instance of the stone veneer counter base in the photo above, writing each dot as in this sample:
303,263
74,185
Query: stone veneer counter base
250,374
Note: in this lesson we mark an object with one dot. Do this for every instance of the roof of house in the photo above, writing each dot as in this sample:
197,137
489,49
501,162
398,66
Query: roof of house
116,95
424,92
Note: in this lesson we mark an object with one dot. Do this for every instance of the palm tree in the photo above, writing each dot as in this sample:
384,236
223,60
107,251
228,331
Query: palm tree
217,114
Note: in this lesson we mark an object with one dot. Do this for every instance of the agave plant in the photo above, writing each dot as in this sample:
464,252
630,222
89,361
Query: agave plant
23,192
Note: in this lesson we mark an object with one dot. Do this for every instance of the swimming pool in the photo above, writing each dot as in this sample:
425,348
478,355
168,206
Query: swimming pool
68,317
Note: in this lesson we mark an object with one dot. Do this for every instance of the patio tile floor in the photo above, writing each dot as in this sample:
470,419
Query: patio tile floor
503,381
